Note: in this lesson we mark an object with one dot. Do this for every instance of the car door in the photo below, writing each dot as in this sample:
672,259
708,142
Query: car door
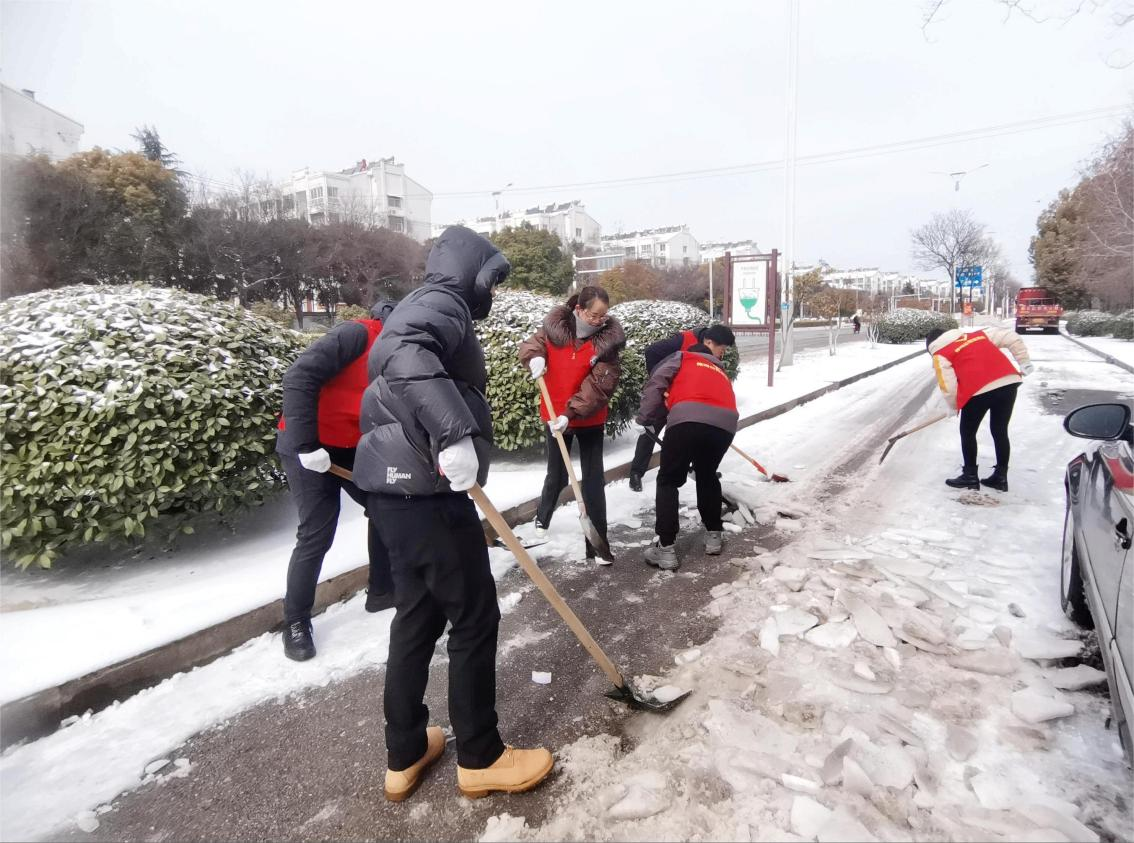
1107,511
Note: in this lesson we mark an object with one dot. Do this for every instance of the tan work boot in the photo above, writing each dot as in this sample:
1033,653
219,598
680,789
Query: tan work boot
400,784
515,771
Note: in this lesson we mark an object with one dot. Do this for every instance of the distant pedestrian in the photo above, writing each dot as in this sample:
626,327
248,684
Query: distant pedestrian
857,323
576,351
690,394
976,378
712,336
322,393
427,433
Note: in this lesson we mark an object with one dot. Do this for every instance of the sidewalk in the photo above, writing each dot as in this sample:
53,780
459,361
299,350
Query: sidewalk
129,607
1119,352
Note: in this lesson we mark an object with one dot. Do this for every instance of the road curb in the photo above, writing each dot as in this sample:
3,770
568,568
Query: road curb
1107,357
39,714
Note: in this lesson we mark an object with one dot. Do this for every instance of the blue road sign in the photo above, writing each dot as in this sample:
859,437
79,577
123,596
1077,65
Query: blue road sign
969,276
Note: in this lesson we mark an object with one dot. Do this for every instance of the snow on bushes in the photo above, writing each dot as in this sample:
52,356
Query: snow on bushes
122,405
513,395
907,324
1096,323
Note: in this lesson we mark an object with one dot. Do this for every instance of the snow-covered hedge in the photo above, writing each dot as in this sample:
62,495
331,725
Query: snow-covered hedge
1096,323
122,405
907,324
511,391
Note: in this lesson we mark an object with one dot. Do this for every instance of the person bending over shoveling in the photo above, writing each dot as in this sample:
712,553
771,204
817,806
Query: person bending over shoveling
689,394
322,393
427,431
976,378
654,353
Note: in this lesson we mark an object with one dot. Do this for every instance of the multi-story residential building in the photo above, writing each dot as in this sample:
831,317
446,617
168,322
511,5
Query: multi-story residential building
716,250
569,220
31,128
377,193
662,247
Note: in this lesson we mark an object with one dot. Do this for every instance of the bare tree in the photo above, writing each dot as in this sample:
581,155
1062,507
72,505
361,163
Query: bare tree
949,241
1105,260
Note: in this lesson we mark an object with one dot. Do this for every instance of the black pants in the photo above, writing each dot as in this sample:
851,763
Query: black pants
441,573
643,450
593,482
702,446
317,497
998,405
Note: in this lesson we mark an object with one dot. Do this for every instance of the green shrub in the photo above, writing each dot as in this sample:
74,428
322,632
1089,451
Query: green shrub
1124,326
351,311
129,404
273,312
1096,323
907,324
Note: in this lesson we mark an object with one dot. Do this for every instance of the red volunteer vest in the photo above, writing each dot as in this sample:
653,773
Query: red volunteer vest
566,369
340,399
977,362
699,380
688,340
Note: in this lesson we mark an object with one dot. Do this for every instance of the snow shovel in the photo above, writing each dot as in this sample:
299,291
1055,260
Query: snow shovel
622,691
600,545
347,474
775,478
893,439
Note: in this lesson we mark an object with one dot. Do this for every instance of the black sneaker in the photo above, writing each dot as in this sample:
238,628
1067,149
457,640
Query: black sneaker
967,479
379,601
298,644
635,482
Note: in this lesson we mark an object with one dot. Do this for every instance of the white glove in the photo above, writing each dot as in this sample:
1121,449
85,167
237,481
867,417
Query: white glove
1027,369
459,464
319,461
538,365
559,425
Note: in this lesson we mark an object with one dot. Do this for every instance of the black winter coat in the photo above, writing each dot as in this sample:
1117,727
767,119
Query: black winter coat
304,380
428,377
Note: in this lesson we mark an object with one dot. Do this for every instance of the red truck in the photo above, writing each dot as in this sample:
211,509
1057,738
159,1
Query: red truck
1037,308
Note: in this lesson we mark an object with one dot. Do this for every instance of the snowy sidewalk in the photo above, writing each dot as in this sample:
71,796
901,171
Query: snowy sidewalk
131,606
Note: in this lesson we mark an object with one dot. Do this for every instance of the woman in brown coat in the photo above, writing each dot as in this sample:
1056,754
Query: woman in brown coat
576,351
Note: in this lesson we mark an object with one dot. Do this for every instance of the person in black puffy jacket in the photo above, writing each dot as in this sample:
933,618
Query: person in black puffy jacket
322,393
426,433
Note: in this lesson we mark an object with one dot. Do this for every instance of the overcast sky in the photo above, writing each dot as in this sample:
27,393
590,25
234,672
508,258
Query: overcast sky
474,96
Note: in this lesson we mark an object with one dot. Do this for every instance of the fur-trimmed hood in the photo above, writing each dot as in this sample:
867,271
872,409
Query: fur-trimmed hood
559,328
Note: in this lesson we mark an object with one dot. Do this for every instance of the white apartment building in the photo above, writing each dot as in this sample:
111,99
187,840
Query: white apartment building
375,192
569,220
31,128
873,280
662,247
716,250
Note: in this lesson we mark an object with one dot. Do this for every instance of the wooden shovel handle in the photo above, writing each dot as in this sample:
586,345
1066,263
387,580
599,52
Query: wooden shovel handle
563,448
339,471
544,585
759,467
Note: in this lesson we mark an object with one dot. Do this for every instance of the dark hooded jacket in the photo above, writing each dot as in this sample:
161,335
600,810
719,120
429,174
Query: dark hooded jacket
321,361
428,376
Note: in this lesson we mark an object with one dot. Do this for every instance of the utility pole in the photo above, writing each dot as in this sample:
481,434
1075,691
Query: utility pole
789,187
710,289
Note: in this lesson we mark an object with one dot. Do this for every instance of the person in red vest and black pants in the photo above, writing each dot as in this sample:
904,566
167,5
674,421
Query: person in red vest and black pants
322,394
577,352
976,378
654,354
689,393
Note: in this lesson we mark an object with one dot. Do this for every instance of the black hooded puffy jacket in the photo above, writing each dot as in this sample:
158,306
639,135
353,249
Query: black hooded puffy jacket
428,376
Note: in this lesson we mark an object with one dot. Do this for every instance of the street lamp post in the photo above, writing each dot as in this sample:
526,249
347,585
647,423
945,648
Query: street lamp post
496,195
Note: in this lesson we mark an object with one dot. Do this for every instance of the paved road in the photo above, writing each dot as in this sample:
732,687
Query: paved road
755,346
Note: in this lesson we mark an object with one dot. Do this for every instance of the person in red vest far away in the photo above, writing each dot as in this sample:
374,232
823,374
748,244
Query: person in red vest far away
655,353
690,394
976,378
322,394
577,352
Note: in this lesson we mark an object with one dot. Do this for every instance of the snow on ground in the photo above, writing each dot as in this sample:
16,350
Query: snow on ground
1118,349
888,675
139,604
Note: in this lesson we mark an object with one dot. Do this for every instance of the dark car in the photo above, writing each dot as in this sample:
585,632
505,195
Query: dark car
1097,588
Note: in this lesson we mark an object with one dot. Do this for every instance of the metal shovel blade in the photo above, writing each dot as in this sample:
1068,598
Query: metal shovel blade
601,546
634,698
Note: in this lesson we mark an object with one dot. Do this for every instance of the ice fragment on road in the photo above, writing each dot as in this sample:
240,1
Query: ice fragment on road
841,554
154,766
1076,678
687,657
799,784
960,743
86,821
867,621
1070,827
793,578
770,636
843,826
855,779
794,621
667,693
1039,647
863,670
808,816
1031,706
503,828
833,764
991,662
893,657
832,636
541,678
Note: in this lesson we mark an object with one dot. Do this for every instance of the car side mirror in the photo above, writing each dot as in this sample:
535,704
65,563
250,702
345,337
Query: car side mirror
1098,421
